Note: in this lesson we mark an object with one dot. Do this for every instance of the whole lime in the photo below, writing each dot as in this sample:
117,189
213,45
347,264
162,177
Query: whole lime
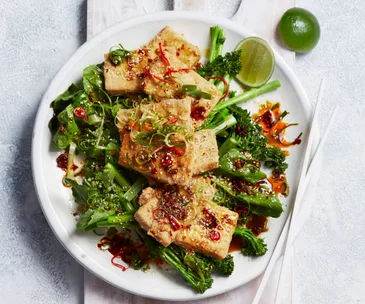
299,29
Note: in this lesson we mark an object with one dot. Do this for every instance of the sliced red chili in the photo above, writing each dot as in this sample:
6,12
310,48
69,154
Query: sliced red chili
225,84
162,55
159,213
215,235
62,161
158,78
174,223
178,151
167,161
80,113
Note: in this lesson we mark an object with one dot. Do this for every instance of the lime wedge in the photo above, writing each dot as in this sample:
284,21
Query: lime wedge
258,62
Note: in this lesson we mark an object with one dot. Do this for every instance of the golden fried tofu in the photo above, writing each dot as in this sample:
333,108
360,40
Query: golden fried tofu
206,151
177,45
163,211
157,141
211,231
165,81
128,76
148,217
168,109
185,215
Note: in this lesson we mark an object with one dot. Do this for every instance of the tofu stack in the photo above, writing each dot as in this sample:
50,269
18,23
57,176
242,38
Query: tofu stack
159,141
186,216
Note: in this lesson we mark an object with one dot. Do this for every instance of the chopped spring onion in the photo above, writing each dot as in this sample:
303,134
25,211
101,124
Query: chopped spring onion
70,162
191,90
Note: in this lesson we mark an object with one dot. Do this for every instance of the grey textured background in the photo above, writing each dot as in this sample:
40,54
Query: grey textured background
37,37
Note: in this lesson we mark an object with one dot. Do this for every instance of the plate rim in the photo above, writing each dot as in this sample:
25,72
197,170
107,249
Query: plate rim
38,131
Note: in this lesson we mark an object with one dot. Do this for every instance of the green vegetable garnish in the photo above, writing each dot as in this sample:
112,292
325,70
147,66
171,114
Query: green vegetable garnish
118,54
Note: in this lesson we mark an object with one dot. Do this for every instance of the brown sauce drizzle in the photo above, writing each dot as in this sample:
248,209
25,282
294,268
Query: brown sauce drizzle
236,244
279,184
257,224
270,118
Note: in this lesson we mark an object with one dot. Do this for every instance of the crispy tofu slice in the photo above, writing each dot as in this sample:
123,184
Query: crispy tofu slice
164,210
156,160
128,76
211,231
152,85
205,144
176,44
185,215
206,151
161,230
168,108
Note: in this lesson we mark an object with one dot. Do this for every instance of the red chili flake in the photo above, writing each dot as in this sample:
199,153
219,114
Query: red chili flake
215,235
62,161
173,171
80,113
177,54
167,161
153,170
225,84
91,97
238,185
241,131
210,219
268,119
178,151
220,227
174,223
240,209
238,163
162,55
197,113
157,77
74,167
62,129
183,46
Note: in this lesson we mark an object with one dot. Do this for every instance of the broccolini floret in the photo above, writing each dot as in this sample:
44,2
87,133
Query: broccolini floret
252,245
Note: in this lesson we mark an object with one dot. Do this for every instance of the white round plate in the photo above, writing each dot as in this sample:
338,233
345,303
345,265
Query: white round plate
56,200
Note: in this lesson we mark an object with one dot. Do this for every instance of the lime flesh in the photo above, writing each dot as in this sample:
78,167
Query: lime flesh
299,29
258,62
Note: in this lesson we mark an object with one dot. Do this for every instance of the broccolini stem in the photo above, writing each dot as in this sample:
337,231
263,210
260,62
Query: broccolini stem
170,257
217,38
270,86
220,41
120,219
227,145
228,122
133,191
121,180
